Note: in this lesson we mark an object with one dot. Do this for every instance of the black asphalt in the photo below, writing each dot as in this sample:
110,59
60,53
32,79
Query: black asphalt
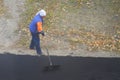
25,67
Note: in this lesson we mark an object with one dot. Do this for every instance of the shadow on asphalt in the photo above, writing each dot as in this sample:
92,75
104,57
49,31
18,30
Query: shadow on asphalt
25,67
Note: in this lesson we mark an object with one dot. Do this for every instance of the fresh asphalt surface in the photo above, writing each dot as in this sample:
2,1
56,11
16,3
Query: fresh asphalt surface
26,67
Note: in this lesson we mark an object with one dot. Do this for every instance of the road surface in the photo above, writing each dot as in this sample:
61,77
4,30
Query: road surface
26,67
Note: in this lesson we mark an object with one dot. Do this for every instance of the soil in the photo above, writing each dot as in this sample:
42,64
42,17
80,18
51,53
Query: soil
99,17
9,23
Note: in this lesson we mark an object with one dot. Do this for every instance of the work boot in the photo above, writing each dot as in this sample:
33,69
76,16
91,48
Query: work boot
32,48
38,55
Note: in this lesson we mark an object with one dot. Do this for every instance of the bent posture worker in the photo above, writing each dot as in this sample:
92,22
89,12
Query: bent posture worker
36,29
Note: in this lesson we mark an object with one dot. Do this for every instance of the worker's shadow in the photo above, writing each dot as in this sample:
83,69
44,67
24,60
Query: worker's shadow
26,67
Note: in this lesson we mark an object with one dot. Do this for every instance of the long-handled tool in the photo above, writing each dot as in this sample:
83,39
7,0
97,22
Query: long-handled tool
51,66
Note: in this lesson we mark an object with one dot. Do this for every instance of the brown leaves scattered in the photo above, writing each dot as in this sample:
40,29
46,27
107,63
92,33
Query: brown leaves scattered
56,35
105,44
94,40
2,8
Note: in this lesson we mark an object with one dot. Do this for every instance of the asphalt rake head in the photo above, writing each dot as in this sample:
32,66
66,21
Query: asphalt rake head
51,68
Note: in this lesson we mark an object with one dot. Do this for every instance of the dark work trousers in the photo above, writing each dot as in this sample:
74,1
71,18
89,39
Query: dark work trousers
35,43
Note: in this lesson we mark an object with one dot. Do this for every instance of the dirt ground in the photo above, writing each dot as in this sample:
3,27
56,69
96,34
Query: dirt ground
101,20
9,22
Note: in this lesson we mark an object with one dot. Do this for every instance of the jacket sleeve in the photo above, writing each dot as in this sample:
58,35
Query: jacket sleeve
39,26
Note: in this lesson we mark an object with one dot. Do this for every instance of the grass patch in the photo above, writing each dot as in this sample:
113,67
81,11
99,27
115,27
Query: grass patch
2,8
94,41
58,20
54,9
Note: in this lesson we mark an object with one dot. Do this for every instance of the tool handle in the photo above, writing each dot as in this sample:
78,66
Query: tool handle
50,61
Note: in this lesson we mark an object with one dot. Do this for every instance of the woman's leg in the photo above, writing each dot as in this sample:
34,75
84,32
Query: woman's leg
37,44
32,44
